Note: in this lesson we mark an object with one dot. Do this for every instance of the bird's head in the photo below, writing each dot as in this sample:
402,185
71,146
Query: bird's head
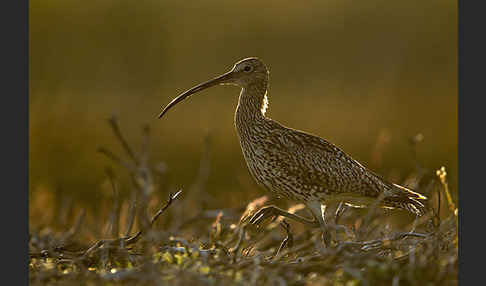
243,74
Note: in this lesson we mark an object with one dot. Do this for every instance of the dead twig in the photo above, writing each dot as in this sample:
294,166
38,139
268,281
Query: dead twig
236,248
136,237
378,243
364,230
116,129
132,212
288,240
123,242
75,228
115,213
144,155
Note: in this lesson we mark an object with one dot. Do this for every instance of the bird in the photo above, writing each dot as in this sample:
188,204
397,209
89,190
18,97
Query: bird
297,165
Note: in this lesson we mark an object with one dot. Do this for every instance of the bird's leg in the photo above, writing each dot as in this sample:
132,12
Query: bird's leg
318,211
339,211
270,211
333,213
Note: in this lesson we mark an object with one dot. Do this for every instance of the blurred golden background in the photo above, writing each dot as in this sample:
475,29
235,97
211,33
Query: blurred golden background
365,75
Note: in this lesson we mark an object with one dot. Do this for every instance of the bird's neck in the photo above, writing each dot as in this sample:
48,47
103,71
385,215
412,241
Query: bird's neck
252,105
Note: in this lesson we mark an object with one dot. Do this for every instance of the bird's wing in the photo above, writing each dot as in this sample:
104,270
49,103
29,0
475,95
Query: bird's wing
318,162
319,166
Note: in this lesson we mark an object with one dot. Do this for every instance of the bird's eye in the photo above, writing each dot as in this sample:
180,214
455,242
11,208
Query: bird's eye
248,68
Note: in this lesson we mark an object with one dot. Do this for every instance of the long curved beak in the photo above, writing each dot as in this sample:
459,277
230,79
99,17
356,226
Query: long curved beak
224,78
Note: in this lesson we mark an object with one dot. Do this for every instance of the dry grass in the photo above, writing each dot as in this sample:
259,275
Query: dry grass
139,239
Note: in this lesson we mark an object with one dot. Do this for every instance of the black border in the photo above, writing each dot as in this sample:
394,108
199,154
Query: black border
471,82
15,140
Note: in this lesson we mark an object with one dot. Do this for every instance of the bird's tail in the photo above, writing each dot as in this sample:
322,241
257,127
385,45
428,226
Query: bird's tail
408,200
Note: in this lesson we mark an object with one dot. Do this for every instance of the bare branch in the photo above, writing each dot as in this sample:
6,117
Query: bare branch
132,211
288,240
75,228
136,237
116,159
116,129
115,213
145,144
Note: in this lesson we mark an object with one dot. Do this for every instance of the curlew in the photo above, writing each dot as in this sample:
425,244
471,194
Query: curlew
297,165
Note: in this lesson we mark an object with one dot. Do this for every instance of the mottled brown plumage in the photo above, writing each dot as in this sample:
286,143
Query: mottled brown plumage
295,164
